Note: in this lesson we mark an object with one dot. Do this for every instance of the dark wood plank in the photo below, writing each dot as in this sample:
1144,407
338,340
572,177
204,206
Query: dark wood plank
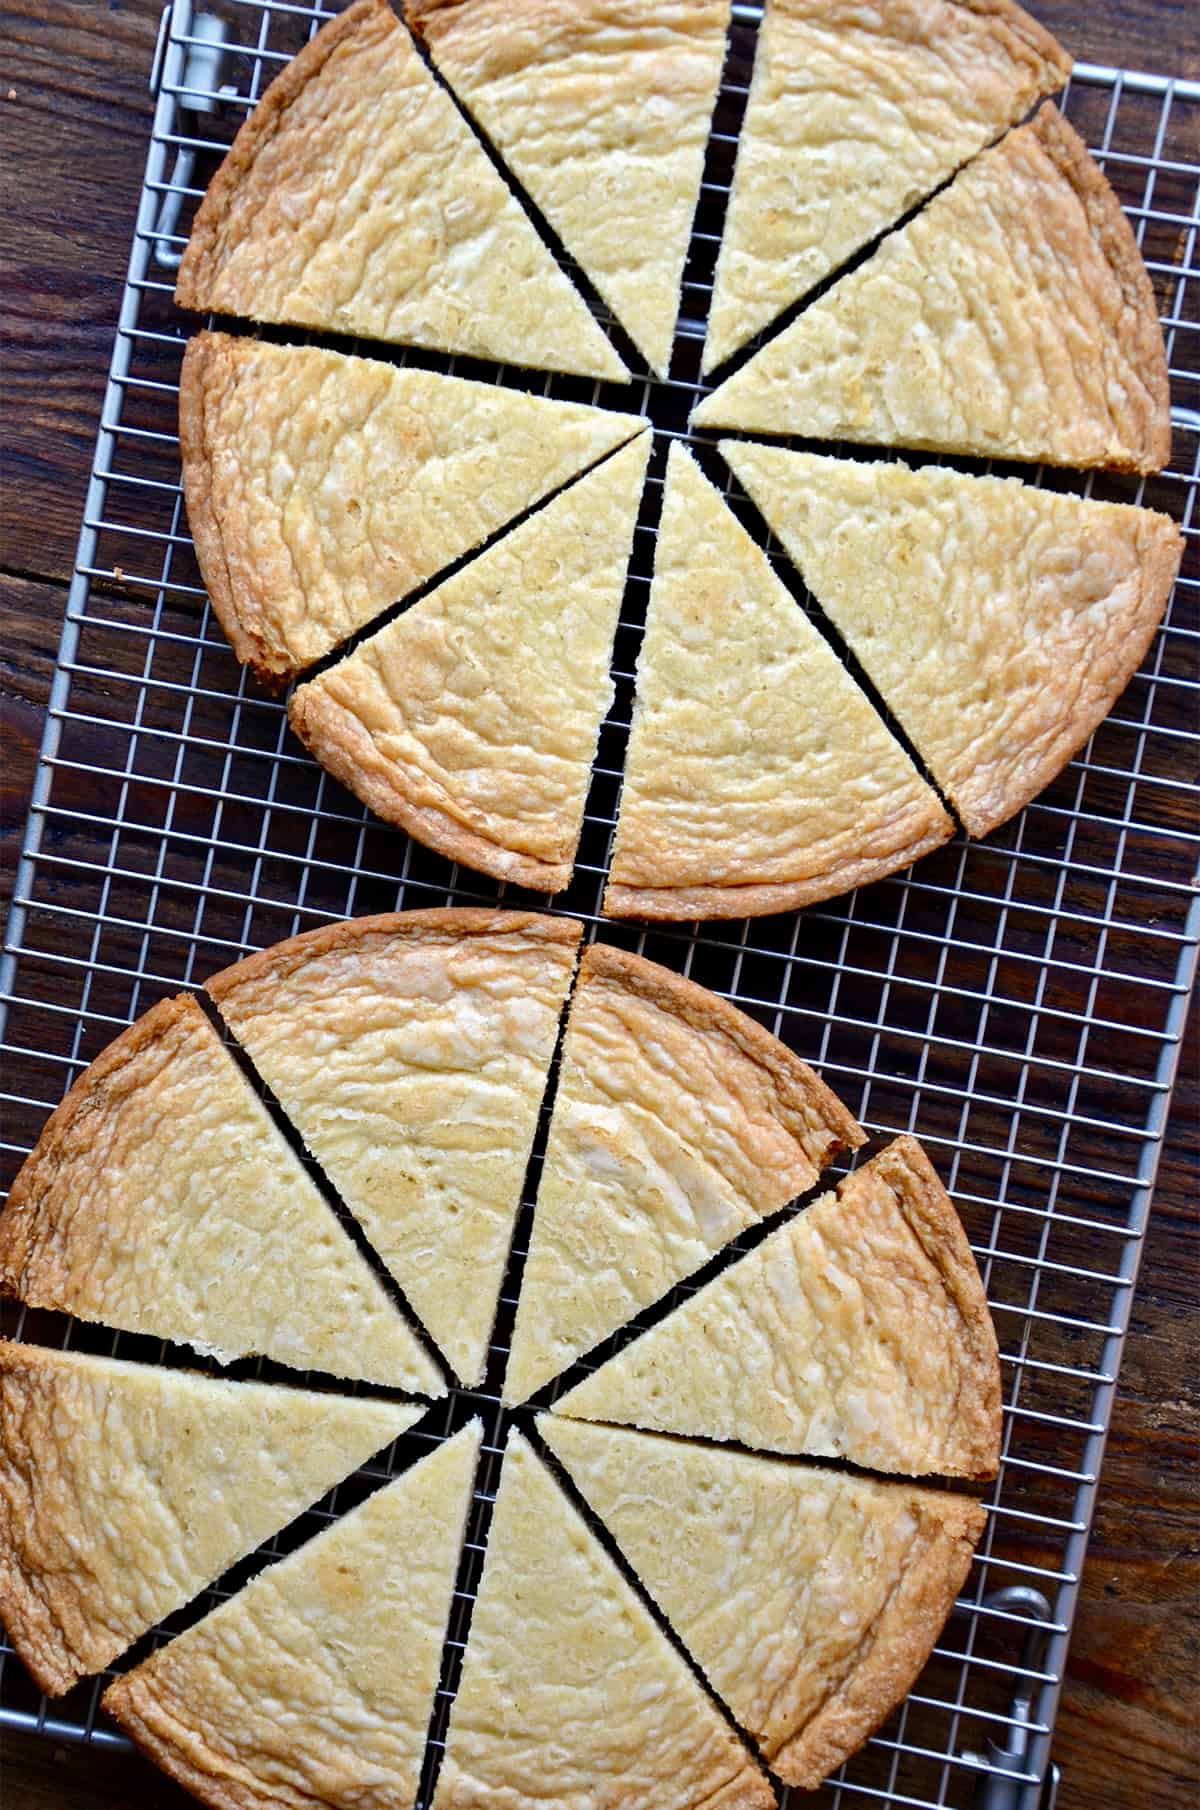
75,135
32,617
1158,35
75,107
1128,1711
47,1775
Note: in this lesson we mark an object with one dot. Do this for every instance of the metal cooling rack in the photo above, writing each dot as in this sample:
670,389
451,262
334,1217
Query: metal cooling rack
1017,1003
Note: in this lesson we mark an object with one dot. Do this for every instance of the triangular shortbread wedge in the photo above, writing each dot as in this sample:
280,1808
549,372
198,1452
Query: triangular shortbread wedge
570,1693
857,1330
125,1489
1013,318
856,113
161,1198
999,622
758,777
601,109
636,1195
313,1687
472,719
322,488
411,1053
356,199
810,1598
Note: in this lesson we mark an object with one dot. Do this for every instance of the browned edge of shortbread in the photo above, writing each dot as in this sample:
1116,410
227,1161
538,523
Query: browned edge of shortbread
1056,62
1158,568
898,1645
431,19
332,734
336,737
800,1094
670,904
234,609
188,1759
24,1608
437,926
31,1608
200,266
89,1094
1141,331
931,1216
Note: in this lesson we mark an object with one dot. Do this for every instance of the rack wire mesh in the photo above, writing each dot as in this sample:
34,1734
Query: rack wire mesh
1018,1003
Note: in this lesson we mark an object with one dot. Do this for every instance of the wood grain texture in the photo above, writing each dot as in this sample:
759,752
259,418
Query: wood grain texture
32,616
75,108
74,145
1130,34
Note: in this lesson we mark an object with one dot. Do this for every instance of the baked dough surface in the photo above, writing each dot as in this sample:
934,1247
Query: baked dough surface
472,719
162,1199
356,199
999,622
312,1688
411,1052
1012,317
127,1488
856,113
857,1330
322,488
759,777
601,109
677,1123
570,1694
811,1599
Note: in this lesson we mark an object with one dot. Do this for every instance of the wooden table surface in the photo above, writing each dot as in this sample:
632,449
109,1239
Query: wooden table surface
76,112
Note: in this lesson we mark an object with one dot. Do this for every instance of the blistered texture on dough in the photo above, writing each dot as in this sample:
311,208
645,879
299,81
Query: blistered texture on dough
810,1599
125,1489
856,113
162,1199
601,109
758,776
472,719
677,1123
322,488
857,1330
312,1688
999,622
1013,316
411,1053
356,199
570,1695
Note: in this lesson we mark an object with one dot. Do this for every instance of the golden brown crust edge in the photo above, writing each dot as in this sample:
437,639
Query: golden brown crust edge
200,264
1056,61
798,1090
672,904
440,925
931,1216
32,1607
51,1678
317,720
903,1640
52,1663
210,1784
748,1791
1141,335
205,353
87,1094
421,15
1159,568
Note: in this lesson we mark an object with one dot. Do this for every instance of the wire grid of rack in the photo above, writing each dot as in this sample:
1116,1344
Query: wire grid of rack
1017,1003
